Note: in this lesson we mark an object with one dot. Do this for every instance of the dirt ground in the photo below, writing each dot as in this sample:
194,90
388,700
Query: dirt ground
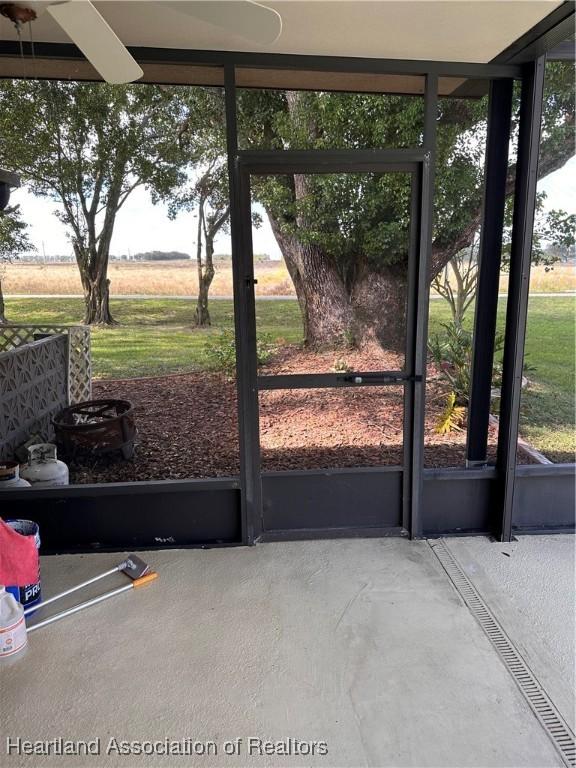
187,424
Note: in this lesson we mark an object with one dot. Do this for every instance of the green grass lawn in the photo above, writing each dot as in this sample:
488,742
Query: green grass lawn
547,416
156,337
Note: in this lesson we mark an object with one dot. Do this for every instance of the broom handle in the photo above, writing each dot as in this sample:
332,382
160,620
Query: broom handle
71,590
80,607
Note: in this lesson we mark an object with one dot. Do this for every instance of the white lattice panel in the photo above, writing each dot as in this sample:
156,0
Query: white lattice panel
79,355
79,365
33,388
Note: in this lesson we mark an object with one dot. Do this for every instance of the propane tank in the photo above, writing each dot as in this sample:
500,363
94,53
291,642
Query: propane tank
10,476
44,469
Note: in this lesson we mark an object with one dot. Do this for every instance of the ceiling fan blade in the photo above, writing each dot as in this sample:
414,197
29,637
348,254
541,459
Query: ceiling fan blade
246,18
97,40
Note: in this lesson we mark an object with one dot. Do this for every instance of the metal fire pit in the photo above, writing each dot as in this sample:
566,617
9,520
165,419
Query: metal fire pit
96,427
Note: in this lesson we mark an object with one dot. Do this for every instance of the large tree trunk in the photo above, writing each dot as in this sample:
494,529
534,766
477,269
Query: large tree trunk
379,307
96,288
97,299
324,301
327,312
371,309
92,259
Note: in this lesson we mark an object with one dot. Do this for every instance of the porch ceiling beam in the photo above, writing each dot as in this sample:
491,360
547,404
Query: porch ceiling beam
43,52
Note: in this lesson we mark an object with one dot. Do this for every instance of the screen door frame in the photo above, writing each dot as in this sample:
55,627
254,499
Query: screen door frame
411,378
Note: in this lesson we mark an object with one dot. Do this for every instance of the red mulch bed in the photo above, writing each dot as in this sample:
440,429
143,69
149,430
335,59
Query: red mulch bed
321,428
187,424
187,427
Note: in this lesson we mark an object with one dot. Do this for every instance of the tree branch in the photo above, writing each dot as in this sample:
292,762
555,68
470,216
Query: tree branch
553,156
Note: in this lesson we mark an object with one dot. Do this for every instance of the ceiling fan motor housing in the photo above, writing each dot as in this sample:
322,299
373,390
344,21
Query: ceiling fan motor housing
18,14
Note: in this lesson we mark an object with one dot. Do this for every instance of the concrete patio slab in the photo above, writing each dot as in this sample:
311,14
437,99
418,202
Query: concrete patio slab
529,585
362,645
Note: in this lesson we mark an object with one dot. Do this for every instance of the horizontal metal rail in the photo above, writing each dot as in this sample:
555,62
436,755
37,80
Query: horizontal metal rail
131,488
331,380
331,160
304,534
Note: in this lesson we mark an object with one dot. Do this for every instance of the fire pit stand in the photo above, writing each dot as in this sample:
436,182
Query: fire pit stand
96,427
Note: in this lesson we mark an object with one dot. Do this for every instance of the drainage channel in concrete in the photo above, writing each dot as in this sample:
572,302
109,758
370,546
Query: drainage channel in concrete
536,696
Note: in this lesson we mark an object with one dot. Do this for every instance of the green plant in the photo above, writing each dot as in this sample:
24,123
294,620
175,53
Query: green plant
341,366
452,417
349,339
457,281
451,351
220,352
265,348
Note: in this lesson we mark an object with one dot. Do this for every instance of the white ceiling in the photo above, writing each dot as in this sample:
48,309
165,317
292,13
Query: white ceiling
474,31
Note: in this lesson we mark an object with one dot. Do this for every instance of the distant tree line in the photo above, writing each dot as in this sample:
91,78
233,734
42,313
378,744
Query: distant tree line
158,256
64,258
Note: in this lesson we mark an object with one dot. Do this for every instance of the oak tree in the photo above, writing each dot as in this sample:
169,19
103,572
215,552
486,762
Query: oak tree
344,237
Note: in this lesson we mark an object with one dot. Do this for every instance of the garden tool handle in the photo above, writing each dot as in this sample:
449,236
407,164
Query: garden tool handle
72,589
143,580
137,583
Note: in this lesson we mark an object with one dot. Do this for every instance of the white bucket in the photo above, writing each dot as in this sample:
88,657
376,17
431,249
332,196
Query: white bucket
12,625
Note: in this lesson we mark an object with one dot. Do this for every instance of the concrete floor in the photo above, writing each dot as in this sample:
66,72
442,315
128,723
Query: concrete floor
529,584
363,645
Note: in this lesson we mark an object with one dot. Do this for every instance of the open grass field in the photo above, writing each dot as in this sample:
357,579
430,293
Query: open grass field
178,278
157,337
169,278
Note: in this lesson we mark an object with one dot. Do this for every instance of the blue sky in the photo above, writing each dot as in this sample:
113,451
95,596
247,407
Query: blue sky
142,226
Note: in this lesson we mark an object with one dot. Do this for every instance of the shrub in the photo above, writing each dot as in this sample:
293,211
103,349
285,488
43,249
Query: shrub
341,366
220,352
265,348
451,351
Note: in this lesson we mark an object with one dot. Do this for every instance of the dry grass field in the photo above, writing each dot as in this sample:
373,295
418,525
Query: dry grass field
178,278
169,278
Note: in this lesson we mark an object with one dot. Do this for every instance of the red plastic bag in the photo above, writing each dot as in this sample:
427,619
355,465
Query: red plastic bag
18,557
